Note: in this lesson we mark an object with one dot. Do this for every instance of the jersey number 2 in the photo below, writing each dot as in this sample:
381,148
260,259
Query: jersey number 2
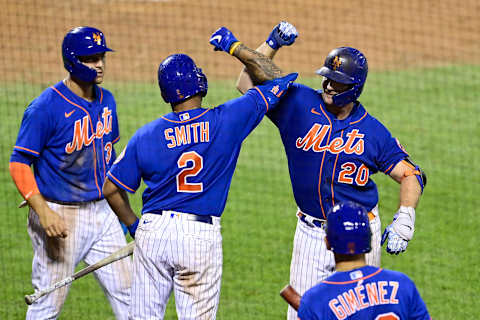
192,163
387,316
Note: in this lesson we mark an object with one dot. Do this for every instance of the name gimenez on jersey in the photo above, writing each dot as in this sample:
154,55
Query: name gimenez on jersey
80,131
186,134
361,297
315,136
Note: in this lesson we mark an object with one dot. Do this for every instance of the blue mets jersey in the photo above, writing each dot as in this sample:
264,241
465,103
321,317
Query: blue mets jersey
364,293
72,140
332,160
187,159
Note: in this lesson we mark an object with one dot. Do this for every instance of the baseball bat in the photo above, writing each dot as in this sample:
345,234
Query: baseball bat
23,204
117,255
291,296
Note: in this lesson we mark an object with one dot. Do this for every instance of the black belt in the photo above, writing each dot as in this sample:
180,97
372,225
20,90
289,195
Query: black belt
191,216
313,222
71,203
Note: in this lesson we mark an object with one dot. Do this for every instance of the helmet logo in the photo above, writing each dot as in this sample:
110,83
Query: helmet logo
336,63
179,94
97,38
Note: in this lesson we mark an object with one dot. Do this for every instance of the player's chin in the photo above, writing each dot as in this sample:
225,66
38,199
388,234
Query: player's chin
99,79
327,98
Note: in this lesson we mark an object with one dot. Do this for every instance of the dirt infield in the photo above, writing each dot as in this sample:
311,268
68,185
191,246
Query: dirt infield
392,34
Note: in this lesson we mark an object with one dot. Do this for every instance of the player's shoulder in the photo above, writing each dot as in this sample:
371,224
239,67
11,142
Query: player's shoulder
298,90
46,100
396,275
105,94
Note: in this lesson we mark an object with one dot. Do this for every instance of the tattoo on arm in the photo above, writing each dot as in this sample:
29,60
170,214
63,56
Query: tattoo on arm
259,67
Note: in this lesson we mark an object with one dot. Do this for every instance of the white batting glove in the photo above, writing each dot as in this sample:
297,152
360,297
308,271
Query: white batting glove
400,231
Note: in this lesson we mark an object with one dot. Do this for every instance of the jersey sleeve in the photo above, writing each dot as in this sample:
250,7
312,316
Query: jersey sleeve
35,130
304,310
282,113
243,114
391,151
418,309
125,171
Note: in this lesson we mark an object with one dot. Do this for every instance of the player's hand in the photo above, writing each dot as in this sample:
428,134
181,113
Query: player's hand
53,223
222,39
400,231
284,34
274,89
133,228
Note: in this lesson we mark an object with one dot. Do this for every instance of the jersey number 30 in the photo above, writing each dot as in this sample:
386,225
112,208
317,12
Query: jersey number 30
192,164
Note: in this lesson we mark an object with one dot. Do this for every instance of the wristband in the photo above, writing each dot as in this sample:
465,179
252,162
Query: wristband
233,47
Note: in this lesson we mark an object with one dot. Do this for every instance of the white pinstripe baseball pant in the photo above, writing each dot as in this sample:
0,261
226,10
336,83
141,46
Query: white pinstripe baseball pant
175,253
94,233
312,262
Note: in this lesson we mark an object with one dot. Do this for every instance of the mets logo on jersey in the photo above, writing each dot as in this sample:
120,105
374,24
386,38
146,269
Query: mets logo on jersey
316,135
97,38
81,136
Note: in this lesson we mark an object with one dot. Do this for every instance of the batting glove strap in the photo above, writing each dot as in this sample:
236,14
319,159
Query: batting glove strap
133,228
404,223
284,34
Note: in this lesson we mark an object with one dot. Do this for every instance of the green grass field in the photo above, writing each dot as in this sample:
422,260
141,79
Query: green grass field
433,112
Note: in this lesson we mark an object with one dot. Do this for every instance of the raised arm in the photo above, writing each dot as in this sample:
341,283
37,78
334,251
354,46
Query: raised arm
283,34
259,67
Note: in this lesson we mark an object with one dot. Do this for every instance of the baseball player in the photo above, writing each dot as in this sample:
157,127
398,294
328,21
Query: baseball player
187,159
357,290
67,134
333,147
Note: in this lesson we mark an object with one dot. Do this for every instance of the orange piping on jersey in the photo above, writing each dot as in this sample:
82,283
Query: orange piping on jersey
101,95
321,166
114,141
266,103
388,169
353,281
364,115
91,126
123,185
22,148
103,155
23,177
183,121
315,112
333,173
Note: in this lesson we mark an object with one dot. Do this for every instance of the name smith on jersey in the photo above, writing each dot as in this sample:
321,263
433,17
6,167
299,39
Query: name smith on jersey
186,134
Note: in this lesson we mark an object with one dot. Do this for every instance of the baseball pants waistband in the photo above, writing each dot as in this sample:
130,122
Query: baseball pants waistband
71,203
189,216
320,223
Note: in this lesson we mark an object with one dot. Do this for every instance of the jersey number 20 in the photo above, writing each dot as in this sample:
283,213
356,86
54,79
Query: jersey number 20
192,164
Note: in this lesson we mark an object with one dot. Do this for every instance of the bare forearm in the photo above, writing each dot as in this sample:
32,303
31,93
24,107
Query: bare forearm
410,192
244,82
118,200
260,68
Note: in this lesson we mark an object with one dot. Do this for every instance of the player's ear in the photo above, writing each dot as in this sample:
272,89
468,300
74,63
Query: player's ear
327,243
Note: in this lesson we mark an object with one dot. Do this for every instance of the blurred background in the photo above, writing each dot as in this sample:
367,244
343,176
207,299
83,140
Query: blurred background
423,84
